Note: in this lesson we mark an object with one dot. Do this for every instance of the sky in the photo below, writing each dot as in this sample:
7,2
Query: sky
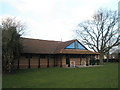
52,19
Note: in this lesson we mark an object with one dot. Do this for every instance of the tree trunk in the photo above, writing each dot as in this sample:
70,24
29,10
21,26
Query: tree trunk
101,57
108,56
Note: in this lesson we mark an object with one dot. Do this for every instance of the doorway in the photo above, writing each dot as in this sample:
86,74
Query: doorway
67,61
72,63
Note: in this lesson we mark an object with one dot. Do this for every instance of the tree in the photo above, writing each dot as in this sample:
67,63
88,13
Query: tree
100,33
116,53
11,46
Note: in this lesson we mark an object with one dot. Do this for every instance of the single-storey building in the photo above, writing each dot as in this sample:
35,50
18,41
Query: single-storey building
45,53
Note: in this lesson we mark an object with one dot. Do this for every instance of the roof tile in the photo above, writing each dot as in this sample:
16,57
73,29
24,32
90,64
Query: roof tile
38,46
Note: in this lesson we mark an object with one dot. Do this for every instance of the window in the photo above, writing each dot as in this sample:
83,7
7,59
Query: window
28,55
80,46
70,46
75,45
42,56
67,60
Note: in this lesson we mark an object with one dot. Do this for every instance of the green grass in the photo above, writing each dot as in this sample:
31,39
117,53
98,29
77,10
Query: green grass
89,77
0,81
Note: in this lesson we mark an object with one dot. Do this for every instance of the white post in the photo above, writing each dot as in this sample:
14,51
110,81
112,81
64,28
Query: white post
74,63
119,22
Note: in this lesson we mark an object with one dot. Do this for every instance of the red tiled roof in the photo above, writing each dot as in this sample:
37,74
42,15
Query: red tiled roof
38,46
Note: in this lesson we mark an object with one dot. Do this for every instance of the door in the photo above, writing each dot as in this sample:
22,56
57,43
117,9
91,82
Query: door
68,61
72,63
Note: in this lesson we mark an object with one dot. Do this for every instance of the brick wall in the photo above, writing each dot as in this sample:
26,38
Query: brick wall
23,62
34,61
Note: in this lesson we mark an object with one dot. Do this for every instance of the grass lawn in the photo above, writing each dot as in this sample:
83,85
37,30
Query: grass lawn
0,81
88,77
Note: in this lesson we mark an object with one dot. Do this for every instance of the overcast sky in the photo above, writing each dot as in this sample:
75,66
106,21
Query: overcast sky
52,19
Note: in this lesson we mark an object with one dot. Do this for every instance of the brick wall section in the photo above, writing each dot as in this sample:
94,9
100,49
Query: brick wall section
51,62
89,60
64,61
23,62
77,60
43,62
34,62
57,61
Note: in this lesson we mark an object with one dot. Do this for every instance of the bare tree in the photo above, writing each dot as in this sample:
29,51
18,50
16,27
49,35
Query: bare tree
101,32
